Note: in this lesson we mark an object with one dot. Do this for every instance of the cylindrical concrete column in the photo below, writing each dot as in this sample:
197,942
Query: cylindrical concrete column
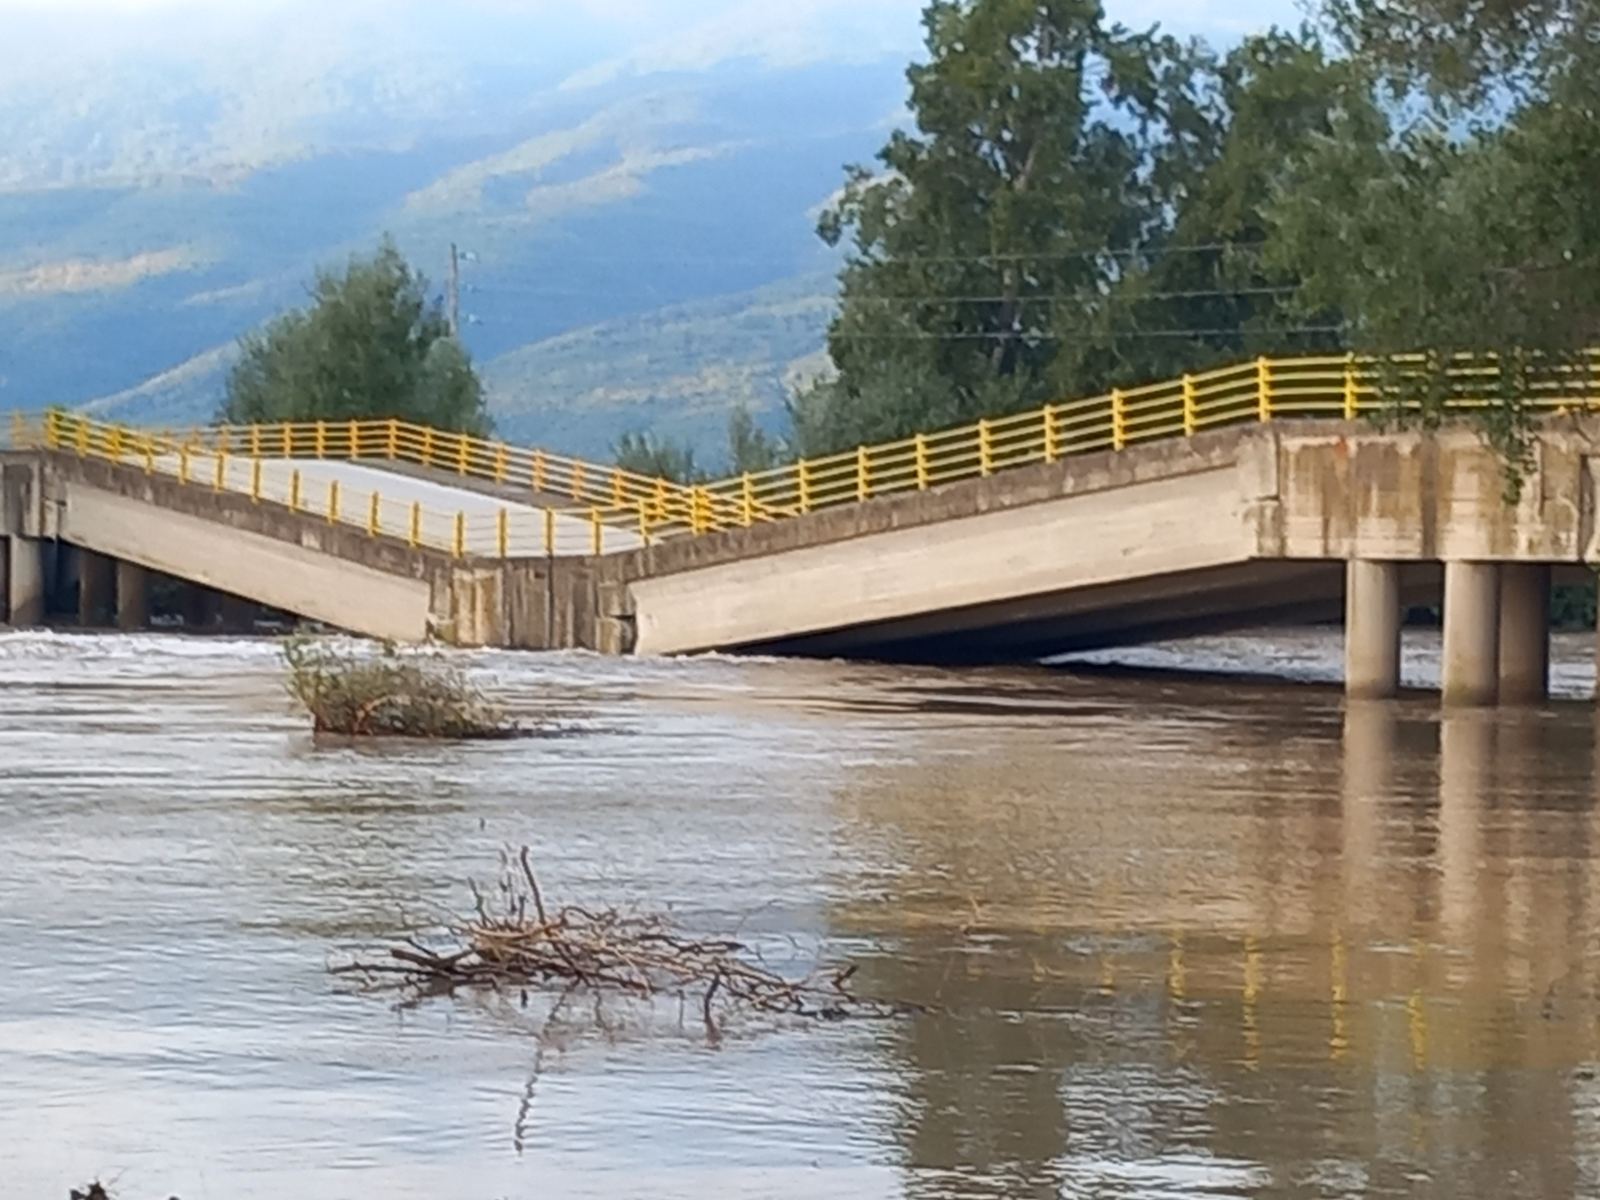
1372,630
1524,633
97,601
1471,668
26,582
133,596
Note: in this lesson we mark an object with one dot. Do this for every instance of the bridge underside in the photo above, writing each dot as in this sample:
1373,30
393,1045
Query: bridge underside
1130,612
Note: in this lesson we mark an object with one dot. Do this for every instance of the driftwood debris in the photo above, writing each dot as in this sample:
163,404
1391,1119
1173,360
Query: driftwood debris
643,957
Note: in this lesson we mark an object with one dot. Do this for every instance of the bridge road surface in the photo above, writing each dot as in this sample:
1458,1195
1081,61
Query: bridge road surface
399,495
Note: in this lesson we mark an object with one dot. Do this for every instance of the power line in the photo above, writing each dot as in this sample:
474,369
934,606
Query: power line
1109,335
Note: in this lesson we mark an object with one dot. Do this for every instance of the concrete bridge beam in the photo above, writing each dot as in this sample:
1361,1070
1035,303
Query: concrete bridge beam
1471,666
1372,620
25,582
1524,633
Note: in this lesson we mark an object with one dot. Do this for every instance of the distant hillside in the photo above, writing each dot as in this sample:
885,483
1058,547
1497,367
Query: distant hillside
164,190
676,372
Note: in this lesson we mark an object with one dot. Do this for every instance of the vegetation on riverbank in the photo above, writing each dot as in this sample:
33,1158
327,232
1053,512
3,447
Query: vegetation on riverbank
389,692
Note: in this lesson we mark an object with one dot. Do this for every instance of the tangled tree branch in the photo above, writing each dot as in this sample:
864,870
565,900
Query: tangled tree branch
642,957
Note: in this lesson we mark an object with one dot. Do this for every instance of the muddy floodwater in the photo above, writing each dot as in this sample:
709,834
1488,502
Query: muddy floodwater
1180,935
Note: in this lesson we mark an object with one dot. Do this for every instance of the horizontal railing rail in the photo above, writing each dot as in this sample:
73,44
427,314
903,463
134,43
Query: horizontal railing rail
302,485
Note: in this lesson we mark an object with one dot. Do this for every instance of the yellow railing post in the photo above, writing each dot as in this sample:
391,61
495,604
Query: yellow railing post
322,439
922,463
116,443
1119,420
255,480
697,515
550,532
644,522
1052,434
863,475
1191,407
461,535
82,439
661,500
294,490
500,463
538,471
183,464
255,441
461,454
333,502
220,479
355,439
503,532
802,475
374,515
1264,389
985,450
747,496
427,445
286,432
616,487
415,533
577,481
393,447
599,531
1352,389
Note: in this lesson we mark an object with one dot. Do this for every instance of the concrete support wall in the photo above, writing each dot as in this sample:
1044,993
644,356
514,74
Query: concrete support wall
1471,667
1524,633
1372,630
26,583
133,596
97,598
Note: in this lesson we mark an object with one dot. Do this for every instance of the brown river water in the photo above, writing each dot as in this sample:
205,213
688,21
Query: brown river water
1181,934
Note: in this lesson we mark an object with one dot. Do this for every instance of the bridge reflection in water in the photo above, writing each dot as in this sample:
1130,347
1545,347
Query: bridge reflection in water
1276,971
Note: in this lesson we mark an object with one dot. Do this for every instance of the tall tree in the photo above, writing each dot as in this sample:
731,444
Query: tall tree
1042,134
371,345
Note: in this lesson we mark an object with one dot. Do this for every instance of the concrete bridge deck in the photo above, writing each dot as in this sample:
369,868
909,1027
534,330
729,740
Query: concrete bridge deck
1032,544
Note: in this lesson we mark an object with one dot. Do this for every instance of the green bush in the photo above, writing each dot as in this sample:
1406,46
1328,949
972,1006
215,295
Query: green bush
391,693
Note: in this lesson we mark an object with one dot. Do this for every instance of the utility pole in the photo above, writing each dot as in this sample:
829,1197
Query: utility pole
455,292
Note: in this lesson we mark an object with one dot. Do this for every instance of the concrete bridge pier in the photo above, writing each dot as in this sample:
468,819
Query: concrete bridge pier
133,596
1524,633
1372,617
25,583
1471,668
97,579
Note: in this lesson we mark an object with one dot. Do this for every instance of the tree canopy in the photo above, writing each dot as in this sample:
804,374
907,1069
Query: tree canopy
1081,206
371,345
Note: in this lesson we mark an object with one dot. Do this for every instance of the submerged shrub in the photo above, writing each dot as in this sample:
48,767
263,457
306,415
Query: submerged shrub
392,692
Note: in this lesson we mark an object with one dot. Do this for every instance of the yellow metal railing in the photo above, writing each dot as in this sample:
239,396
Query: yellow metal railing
1264,390
617,509
218,461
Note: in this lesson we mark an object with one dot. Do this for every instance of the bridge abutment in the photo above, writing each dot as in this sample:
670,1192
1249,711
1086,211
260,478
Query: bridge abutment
1524,658
1471,666
1372,619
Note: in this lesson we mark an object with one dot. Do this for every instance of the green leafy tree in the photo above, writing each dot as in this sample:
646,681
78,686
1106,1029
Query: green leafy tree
371,345
751,448
1463,217
657,458
1079,206
1044,134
